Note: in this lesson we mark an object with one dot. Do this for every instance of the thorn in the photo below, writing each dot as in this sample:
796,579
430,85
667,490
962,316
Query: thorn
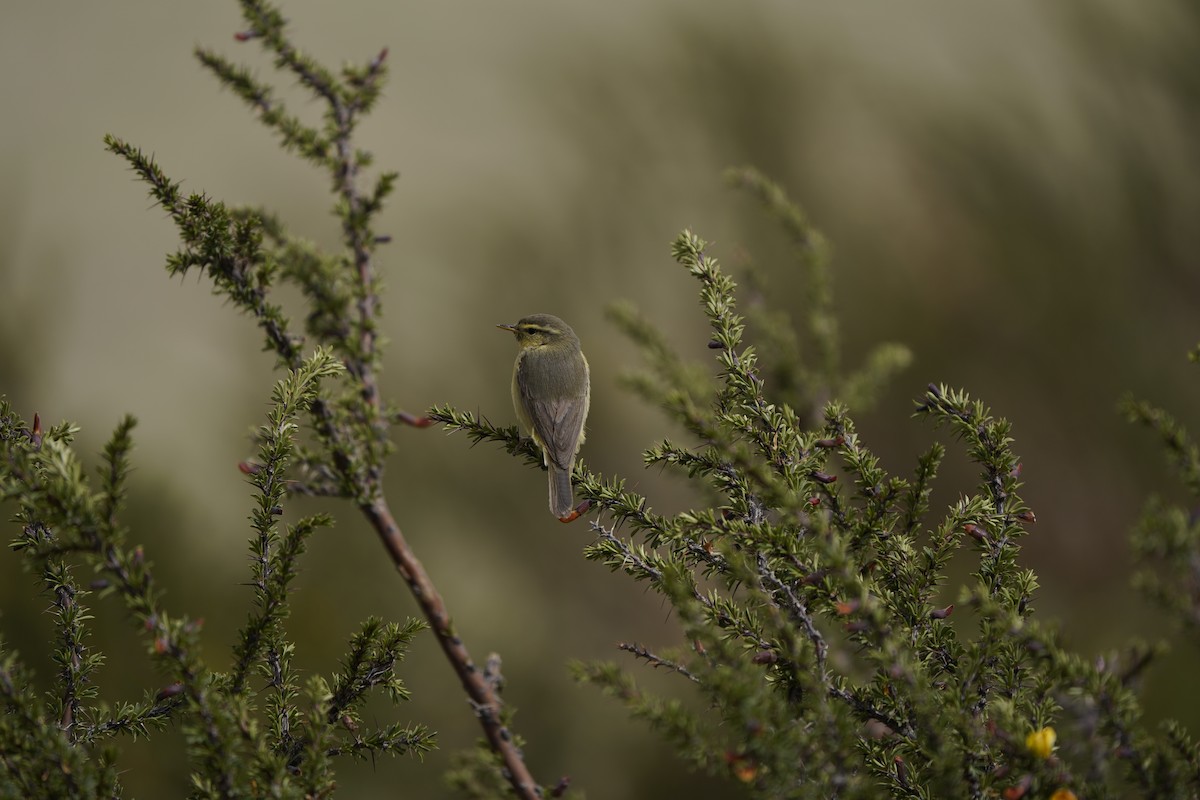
377,62
577,512
414,420
491,672
35,435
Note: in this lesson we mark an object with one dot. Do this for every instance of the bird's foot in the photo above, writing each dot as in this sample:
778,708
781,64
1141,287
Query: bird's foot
577,512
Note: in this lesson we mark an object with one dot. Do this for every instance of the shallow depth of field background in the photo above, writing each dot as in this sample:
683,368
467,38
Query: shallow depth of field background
1012,189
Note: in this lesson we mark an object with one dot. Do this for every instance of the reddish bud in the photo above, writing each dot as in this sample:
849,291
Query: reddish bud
847,607
245,36
942,613
744,769
814,501
1020,789
765,657
746,772
836,441
169,691
713,344
813,578
35,435
560,788
822,477
1027,516
412,419
249,468
975,532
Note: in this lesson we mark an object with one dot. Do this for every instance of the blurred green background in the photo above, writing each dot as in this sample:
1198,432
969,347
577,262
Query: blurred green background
1012,188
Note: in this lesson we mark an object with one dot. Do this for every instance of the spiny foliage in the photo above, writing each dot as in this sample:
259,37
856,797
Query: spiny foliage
249,252
812,589
255,730
64,745
1166,541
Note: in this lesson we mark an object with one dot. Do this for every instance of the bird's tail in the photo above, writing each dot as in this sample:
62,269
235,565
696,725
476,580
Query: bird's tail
562,499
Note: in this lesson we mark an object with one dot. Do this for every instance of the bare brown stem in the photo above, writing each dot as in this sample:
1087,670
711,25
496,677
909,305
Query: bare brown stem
483,697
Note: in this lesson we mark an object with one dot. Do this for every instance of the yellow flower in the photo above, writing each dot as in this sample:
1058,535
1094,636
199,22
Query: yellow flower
1041,743
1063,794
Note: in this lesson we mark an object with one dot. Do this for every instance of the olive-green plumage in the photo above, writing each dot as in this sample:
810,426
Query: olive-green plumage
551,392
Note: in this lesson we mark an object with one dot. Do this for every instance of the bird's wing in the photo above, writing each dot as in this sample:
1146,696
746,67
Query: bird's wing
557,421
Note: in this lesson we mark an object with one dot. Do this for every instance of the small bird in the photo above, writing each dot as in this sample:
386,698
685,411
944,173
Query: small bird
551,392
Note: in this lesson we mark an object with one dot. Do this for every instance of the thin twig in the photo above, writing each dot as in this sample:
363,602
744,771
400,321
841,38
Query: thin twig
656,660
483,697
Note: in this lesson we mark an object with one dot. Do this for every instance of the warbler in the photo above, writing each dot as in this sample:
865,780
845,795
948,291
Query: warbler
551,393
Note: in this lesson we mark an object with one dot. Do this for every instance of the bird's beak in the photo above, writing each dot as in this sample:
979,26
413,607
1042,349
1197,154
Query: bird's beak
511,328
